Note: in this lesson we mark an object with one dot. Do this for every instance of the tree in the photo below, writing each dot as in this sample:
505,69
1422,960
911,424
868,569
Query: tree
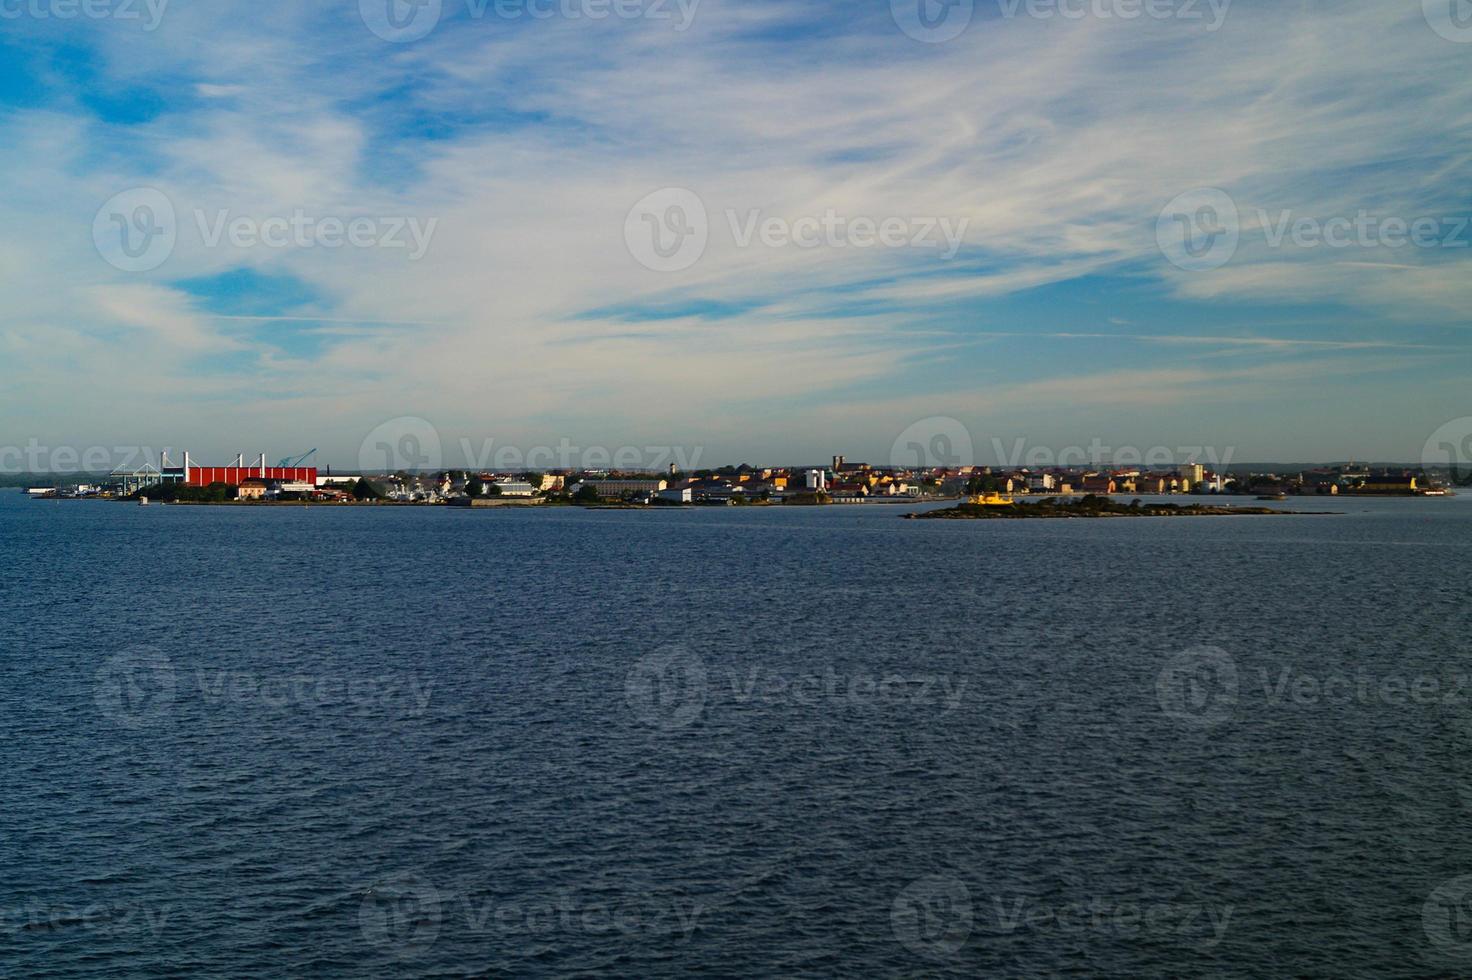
587,494
363,490
475,486
493,490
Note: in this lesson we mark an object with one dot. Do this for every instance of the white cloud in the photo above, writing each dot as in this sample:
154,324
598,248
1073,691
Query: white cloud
1058,142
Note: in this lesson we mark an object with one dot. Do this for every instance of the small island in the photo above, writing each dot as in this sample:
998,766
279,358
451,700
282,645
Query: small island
997,507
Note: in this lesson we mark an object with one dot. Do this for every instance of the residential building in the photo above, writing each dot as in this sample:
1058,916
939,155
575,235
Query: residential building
514,488
626,488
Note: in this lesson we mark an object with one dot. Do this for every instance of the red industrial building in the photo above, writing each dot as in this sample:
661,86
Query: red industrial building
239,472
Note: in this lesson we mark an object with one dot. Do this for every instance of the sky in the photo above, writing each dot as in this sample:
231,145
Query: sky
715,231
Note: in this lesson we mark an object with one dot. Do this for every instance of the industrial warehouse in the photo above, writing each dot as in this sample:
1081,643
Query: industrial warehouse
290,477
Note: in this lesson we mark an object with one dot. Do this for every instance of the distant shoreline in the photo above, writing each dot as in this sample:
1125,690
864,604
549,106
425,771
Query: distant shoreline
1094,508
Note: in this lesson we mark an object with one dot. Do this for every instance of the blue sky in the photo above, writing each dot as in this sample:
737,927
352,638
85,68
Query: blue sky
1060,152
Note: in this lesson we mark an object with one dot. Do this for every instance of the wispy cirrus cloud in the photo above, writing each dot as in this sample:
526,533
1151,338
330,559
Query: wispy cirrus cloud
1056,142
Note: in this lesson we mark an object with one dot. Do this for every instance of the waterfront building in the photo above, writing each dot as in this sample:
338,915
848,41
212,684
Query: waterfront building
626,488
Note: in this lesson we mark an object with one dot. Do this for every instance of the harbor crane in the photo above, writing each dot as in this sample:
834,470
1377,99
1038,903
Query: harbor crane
299,460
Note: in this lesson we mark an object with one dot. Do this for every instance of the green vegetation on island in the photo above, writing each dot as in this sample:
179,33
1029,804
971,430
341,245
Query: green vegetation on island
215,493
1090,506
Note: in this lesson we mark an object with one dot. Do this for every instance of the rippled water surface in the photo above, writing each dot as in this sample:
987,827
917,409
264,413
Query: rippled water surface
795,742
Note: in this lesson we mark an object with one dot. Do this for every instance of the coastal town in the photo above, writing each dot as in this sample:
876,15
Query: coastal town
840,481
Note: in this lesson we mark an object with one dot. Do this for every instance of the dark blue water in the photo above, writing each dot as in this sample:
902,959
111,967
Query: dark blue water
795,742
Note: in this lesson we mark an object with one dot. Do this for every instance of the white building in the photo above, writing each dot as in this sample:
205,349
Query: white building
512,488
817,480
